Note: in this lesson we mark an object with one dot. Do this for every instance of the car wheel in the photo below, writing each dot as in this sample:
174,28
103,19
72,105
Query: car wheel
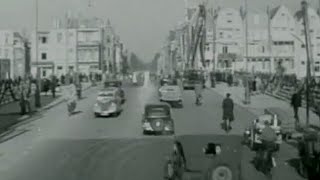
221,171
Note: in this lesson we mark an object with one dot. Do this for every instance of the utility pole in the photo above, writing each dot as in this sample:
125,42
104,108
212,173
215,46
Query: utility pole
270,41
37,93
247,90
304,6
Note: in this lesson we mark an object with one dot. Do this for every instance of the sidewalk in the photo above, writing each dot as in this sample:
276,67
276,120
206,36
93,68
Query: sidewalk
10,113
261,102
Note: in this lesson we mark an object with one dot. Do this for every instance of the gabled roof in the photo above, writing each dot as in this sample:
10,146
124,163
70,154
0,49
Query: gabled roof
274,11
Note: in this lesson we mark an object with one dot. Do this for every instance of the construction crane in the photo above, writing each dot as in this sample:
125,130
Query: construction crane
198,37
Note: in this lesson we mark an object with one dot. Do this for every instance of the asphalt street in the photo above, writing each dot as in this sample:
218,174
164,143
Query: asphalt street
82,147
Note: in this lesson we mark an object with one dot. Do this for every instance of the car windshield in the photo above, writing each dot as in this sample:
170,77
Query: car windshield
106,95
157,112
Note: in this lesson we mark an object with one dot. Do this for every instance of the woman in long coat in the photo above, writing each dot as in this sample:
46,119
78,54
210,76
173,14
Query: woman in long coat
227,106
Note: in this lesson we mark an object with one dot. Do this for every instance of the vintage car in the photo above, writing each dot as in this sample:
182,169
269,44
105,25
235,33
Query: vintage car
192,77
108,102
117,84
157,120
171,94
252,133
204,157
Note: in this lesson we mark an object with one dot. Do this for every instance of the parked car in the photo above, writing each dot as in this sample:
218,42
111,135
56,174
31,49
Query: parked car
157,120
171,94
117,84
252,134
108,102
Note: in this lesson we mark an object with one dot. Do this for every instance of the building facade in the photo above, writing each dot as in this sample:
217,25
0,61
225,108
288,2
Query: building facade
301,56
228,39
79,44
12,54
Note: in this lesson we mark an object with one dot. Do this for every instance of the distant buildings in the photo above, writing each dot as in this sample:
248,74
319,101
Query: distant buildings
88,44
12,55
276,41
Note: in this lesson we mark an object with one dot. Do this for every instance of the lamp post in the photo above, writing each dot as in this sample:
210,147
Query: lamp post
304,6
37,93
247,89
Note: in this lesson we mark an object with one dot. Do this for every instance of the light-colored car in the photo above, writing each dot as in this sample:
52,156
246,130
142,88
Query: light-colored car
171,94
253,133
108,102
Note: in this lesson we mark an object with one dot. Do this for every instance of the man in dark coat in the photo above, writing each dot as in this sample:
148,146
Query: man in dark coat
296,103
227,106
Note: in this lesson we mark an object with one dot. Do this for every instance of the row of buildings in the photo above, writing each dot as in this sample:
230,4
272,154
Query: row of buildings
275,40
74,43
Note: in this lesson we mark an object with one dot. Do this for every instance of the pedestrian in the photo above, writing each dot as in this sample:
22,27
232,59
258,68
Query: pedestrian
70,97
296,103
254,85
230,79
53,86
227,106
198,88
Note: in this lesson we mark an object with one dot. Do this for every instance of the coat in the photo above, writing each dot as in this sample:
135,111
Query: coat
296,100
227,107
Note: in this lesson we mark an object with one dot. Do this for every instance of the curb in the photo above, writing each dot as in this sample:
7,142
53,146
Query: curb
24,119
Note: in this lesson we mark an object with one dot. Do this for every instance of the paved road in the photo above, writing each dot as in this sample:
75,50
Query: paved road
56,146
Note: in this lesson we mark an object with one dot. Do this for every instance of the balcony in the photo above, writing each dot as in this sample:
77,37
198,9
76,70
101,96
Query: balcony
88,43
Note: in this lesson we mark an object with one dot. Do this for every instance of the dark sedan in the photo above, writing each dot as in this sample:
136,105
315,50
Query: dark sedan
157,119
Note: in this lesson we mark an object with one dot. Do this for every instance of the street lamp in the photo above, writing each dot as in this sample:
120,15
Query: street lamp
37,93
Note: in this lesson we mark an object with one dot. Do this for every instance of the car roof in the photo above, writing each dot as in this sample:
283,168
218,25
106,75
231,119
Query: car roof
150,105
171,87
109,90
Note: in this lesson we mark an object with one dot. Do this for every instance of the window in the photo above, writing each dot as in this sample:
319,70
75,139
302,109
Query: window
59,37
262,49
221,34
225,49
44,56
7,39
44,73
44,40
303,45
229,36
59,68
229,21
317,68
318,54
6,53
70,67
302,62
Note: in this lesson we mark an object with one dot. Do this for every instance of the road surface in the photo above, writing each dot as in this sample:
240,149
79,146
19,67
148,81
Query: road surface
82,147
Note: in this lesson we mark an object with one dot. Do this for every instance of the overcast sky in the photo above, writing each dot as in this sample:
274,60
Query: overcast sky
141,24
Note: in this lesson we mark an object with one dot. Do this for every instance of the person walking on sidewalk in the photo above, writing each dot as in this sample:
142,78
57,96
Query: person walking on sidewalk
296,103
227,106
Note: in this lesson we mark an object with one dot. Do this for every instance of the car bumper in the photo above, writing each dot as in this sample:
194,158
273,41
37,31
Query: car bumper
105,112
148,129
179,100
257,139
